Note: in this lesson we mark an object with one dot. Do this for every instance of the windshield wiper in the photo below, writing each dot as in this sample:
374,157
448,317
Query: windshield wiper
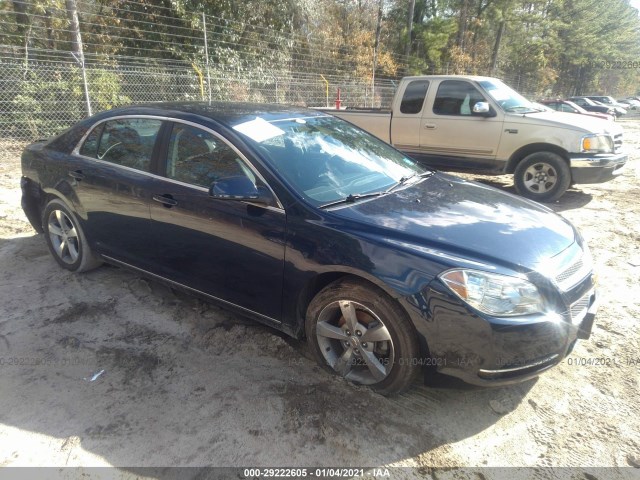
352,198
404,180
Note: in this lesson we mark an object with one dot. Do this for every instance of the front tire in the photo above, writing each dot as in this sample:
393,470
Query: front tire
542,176
66,240
357,331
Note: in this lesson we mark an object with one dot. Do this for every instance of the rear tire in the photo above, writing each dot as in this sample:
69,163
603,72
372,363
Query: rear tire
356,330
66,240
542,176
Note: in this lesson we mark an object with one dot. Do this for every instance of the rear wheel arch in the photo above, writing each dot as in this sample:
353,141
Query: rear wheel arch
49,195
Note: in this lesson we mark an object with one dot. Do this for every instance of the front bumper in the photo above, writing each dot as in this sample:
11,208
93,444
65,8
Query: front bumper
486,351
596,168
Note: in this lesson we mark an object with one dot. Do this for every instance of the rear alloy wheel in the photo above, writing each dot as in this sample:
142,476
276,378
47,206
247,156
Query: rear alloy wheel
66,240
542,176
359,333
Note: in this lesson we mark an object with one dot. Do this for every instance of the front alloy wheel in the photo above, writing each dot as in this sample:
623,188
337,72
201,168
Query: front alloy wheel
357,331
355,342
542,176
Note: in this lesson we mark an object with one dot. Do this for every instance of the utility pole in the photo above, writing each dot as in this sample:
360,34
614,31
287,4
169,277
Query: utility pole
376,45
407,49
206,54
76,47
496,48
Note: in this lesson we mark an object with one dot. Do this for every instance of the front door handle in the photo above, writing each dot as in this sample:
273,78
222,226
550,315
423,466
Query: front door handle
430,126
166,199
76,174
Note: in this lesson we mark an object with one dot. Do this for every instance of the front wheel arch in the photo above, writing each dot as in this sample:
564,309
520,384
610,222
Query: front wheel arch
527,150
314,285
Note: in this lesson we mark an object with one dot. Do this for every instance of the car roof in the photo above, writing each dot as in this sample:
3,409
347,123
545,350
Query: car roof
476,78
227,113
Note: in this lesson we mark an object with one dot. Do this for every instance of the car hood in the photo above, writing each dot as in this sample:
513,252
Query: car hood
569,120
451,217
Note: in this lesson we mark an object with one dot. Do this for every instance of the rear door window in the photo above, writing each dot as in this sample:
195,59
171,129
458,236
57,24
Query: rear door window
413,97
128,142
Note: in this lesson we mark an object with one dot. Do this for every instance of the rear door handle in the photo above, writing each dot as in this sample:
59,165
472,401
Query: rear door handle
430,126
166,199
76,174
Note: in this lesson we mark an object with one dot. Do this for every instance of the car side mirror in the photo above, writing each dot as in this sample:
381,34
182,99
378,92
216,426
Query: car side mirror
483,109
239,188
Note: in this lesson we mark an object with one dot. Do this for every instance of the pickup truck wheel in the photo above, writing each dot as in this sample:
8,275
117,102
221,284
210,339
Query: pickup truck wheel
66,240
542,176
357,331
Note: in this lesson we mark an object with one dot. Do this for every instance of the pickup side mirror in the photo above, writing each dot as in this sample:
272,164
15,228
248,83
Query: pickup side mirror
483,109
239,188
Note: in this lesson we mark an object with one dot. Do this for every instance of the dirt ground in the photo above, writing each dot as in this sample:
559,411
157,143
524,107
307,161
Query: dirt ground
185,383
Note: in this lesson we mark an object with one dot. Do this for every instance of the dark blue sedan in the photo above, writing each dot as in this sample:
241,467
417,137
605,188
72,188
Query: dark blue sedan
312,226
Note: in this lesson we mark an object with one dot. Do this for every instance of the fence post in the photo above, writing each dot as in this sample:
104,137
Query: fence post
327,88
77,50
206,54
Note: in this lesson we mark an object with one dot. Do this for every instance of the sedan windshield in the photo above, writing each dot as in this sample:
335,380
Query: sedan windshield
327,160
507,98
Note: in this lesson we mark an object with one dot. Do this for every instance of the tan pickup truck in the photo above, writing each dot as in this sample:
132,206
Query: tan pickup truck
479,124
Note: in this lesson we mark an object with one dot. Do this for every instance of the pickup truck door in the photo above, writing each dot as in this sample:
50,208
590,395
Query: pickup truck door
452,135
406,121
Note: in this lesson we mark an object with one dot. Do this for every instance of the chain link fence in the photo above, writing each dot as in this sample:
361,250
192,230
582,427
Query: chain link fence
42,90
43,95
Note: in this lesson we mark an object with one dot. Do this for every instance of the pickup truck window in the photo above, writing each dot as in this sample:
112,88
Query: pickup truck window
456,97
413,97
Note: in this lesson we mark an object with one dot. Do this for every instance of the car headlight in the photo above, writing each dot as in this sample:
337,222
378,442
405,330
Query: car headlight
497,295
597,144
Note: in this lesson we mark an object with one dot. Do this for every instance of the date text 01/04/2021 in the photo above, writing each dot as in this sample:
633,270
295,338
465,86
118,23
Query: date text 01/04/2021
603,361
313,472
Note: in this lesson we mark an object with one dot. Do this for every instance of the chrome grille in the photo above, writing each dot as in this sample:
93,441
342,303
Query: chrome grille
617,143
579,309
579,268
569,272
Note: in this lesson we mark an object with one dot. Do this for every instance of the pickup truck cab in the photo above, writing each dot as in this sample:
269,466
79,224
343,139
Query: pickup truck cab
479,124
